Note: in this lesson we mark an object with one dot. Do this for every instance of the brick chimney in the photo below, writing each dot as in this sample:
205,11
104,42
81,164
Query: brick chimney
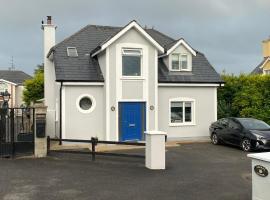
266,47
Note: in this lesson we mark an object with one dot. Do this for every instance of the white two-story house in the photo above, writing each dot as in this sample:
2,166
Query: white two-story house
115,83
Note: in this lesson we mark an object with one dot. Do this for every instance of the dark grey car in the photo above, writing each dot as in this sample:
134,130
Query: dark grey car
247,133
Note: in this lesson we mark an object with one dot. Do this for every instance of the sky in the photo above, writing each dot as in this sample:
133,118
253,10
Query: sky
228,32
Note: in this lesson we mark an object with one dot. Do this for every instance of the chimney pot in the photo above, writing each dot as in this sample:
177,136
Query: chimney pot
49,19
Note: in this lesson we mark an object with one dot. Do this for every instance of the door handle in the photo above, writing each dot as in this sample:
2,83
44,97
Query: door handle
131,125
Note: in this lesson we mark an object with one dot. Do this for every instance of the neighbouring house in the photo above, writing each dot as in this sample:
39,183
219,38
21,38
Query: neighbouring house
117,82
264,66
12,81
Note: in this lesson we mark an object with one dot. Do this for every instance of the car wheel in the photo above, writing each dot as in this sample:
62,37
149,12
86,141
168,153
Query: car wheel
214,139
246,145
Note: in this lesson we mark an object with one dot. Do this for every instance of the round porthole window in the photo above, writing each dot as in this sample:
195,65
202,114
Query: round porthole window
86,103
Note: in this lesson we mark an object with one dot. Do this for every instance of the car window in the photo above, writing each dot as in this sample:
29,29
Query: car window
223,122
254,124
234,125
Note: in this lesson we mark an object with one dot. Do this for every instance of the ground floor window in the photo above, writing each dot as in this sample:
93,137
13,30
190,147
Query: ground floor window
182,111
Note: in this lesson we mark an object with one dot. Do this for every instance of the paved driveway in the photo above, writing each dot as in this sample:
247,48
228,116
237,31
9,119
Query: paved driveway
194,171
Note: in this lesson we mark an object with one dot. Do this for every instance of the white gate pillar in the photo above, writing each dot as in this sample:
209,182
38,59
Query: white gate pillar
40,135
155,150
260,176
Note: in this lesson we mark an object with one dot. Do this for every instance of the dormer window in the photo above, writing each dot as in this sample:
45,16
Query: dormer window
179,62
72,52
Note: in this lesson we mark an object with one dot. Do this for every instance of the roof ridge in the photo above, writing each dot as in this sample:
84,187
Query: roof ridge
78,32
10,70
69,37
105,26
169,37
13,70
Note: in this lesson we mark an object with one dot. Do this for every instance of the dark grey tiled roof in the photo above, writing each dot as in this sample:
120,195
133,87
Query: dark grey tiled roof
86,68
202,72
14,76
258,70
83,67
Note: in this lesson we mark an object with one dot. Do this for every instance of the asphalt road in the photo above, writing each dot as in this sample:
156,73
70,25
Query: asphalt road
194,171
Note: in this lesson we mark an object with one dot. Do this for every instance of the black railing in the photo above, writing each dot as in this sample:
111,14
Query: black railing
94,142
16,131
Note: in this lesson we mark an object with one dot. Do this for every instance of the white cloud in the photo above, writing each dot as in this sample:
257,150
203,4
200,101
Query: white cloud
227,31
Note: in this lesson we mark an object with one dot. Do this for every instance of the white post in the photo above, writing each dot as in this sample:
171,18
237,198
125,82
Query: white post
155,150
49,76
260,176
40,136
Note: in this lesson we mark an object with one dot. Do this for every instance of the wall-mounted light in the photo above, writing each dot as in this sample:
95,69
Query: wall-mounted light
112,108
5,96
152,107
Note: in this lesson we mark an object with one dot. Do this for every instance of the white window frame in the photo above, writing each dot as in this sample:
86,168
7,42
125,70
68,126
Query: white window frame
92,107
266,71
72,48
180,63
132,54
183,99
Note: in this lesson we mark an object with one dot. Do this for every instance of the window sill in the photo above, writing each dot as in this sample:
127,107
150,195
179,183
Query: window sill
132,78
181,124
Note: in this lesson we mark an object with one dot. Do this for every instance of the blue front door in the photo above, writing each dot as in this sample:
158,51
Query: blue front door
131,120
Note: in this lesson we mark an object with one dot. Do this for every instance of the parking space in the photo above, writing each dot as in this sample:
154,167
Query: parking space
194,171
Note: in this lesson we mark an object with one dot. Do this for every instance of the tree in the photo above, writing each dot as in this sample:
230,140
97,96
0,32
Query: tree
34,88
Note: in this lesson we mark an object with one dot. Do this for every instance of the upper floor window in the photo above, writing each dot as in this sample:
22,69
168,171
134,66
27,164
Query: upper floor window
131,62
72,52
179,62
267,71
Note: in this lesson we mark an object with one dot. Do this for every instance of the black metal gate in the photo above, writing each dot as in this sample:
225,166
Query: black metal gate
16,131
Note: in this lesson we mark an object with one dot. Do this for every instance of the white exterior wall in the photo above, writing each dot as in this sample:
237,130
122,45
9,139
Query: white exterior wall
179,50
205,110
123,90
103,122
19,95
49,80
78,125
57,109
15,91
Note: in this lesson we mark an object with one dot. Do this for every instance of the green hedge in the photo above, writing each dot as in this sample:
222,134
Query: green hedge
245,96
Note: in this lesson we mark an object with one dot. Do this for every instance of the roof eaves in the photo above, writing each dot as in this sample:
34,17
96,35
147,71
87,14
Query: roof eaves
76,80
197,82
52,50
181,41
264,62
10,82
